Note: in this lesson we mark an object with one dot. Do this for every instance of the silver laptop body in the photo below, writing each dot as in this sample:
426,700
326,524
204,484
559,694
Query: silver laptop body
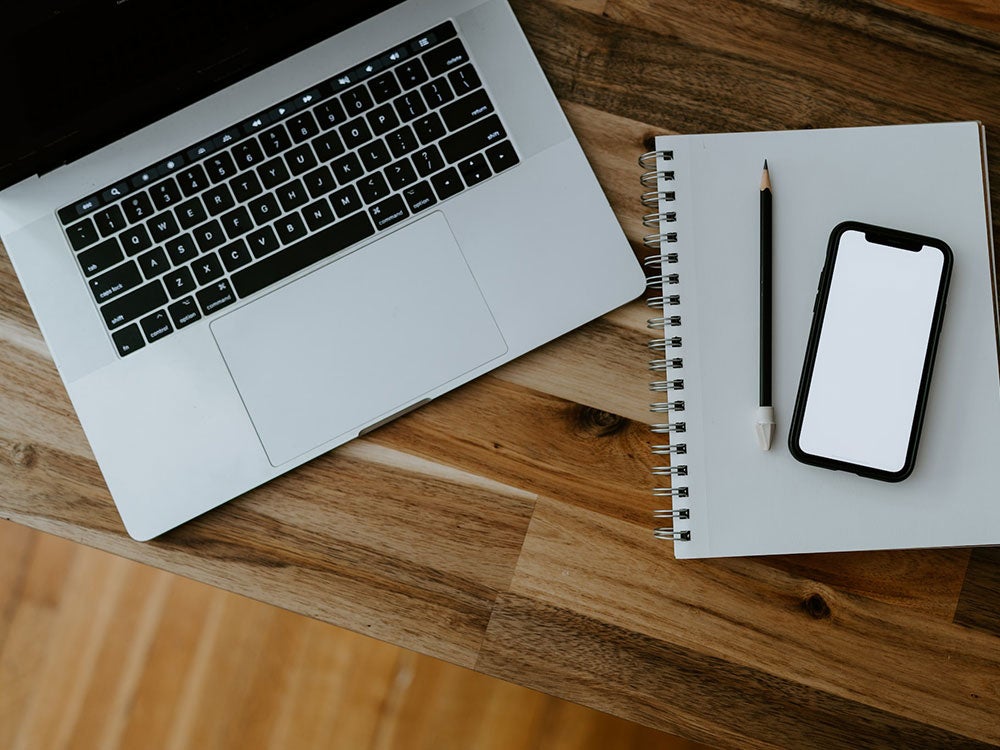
219,387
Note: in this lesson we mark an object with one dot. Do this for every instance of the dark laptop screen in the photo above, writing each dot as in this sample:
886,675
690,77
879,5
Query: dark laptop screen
78,75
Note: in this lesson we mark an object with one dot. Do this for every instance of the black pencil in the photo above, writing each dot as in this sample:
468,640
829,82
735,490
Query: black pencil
765,411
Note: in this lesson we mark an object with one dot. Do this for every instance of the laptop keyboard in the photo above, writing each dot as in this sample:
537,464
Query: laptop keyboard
286,188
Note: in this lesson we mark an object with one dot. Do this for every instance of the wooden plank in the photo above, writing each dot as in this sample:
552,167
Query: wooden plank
182,665
364,538
539,443
982,13
773,64
746,614
979,600
672,687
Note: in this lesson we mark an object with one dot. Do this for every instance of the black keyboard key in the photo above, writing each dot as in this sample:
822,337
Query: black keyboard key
219,167
128,340
374,155
303,254
163,227
447,57
328,146
300,159
247,154
209,236
347,168
202,149
382,120
467,110
419,197
439,33
228,137
218,199
245,187
262,242
215,297
410,106
429,128
292,195
411,73
135,240
290,228
165,194
179,282
502,156
428,160
384,87
355,133
476,137
402,141
273,173
235,255
181,249
117,281
474,169
100,257
237,222
115,192
400,174
464,80
275,140
191,213
447,183
356,101
373,187
82,235
330,113
137,207
346,201
302,127
153,263
156,326
69,214
184,312
109,221
388,212
128,307
265,209
207,269
192,180
318,215
319,182
437,93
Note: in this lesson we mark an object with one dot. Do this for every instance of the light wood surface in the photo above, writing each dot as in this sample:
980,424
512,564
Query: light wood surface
101,652
506,527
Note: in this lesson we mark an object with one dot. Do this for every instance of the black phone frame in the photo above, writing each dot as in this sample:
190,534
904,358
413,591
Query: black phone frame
892,238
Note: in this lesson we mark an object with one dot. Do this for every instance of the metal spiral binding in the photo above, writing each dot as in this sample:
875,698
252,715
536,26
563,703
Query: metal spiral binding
656,179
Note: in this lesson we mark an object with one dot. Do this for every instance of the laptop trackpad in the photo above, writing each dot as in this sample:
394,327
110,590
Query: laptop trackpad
358,340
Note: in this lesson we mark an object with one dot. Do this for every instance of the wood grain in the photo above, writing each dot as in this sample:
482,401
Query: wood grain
748,615
506,526
99,652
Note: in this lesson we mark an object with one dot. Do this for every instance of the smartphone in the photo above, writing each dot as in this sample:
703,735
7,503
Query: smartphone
867,371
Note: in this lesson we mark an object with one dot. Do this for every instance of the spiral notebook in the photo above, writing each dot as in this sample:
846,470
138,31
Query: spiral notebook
721,494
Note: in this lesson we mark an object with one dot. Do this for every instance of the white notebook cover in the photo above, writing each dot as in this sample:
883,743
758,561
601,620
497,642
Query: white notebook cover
926,179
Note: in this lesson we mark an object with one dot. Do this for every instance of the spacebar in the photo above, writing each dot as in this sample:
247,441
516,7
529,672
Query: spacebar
302,254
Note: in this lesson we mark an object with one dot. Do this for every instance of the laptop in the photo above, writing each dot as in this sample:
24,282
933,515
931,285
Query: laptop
251,232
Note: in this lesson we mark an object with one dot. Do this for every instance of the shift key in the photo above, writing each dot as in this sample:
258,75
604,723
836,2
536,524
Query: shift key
145,299
474,138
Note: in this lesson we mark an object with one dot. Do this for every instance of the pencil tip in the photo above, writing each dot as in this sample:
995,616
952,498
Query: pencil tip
765,163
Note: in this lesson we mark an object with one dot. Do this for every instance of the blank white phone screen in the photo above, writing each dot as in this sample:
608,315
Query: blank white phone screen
871,353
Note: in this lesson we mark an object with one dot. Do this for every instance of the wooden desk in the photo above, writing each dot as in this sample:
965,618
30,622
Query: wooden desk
507,526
